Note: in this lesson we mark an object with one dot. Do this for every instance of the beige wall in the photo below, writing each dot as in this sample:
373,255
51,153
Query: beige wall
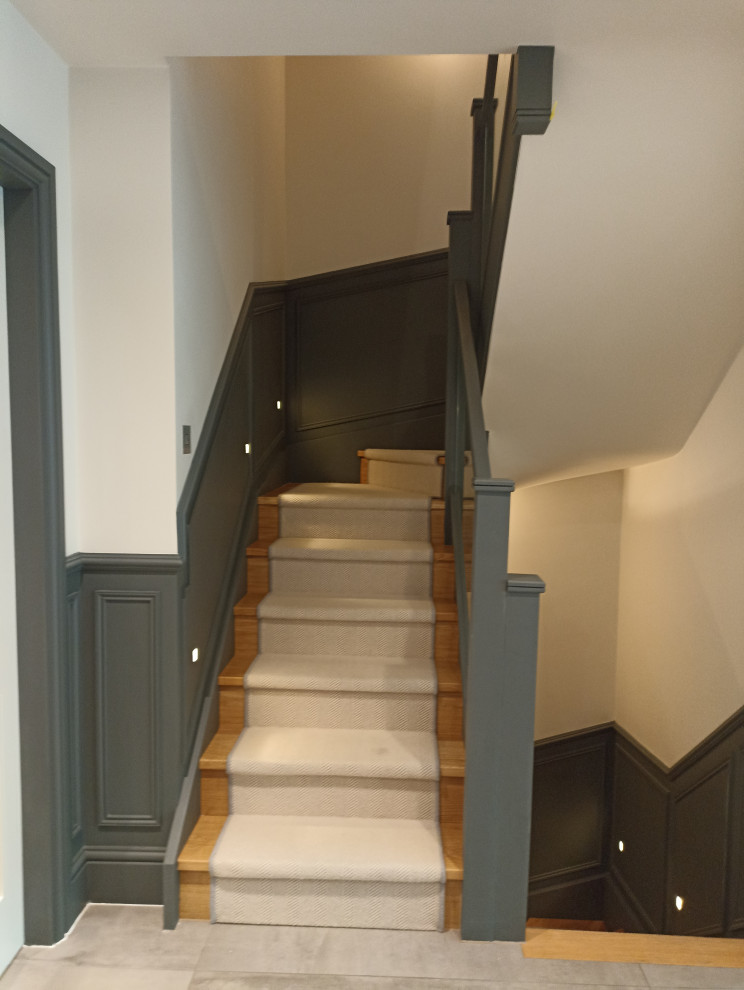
568,532
123,279
229,223
377,153
681,630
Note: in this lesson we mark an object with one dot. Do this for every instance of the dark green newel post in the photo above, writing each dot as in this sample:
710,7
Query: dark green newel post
499,730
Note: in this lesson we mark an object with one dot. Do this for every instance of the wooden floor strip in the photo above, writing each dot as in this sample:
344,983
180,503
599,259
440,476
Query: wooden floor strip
677,950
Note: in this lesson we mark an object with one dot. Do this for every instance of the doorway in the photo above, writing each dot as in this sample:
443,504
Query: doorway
29,213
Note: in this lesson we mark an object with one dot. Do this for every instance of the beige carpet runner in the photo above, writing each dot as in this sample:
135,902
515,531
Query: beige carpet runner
334,781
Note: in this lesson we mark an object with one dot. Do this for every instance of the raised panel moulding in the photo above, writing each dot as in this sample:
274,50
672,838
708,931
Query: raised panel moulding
128,738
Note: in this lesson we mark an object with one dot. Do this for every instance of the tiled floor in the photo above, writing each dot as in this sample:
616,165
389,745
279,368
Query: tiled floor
123,948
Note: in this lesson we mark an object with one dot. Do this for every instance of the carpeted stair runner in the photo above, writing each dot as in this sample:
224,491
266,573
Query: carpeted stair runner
334,780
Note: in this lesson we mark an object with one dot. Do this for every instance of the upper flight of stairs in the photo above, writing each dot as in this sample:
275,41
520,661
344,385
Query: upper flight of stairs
332,793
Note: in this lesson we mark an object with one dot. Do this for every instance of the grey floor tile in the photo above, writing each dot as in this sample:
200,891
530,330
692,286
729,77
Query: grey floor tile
295,981
696,977
125,936
583,974
34,975
275,981
351,952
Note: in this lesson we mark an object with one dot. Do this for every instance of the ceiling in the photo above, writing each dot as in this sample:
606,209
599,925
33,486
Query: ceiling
622,296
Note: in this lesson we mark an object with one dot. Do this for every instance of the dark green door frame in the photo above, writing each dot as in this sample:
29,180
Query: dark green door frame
28,184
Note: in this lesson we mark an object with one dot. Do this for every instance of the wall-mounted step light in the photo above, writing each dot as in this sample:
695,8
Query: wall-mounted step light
278,404
247,448
621,845
679,902
195,655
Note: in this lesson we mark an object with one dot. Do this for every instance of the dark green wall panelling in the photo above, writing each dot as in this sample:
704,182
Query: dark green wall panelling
367,350
682,832
215,511
569,806
640,821
681,829
127,750
570,824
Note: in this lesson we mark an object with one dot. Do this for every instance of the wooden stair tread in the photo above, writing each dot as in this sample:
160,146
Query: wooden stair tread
195,854
234,671
215,755
451,758
567,924
272,497
246,607
259,548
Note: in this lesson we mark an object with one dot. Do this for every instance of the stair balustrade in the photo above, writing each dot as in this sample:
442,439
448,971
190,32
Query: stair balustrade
497,611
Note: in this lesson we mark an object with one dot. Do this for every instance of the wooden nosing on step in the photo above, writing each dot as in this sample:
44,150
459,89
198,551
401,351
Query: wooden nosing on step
446,610
246,607
451,758
259,548
194,857
271,498
679,950
567,924
215,755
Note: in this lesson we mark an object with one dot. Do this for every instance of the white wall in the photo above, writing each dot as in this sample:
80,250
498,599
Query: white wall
378,151
120,139
34,101
11,873
681,629
568,532
229,221
622,302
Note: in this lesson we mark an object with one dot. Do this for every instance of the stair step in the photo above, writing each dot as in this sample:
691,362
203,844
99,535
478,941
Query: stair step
332,608
375,753
306,672
354,773
326,871
345,511
341,692
338,626
360,568
314,548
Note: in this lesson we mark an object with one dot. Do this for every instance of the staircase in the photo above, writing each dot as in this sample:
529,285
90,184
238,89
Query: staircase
327,796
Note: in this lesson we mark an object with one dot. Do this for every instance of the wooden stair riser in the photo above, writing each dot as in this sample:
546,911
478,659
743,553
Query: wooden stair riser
446,640
451,798
443,577
246,635
232,709
449,716
215,793
194,894
257,567
452,905
268,519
